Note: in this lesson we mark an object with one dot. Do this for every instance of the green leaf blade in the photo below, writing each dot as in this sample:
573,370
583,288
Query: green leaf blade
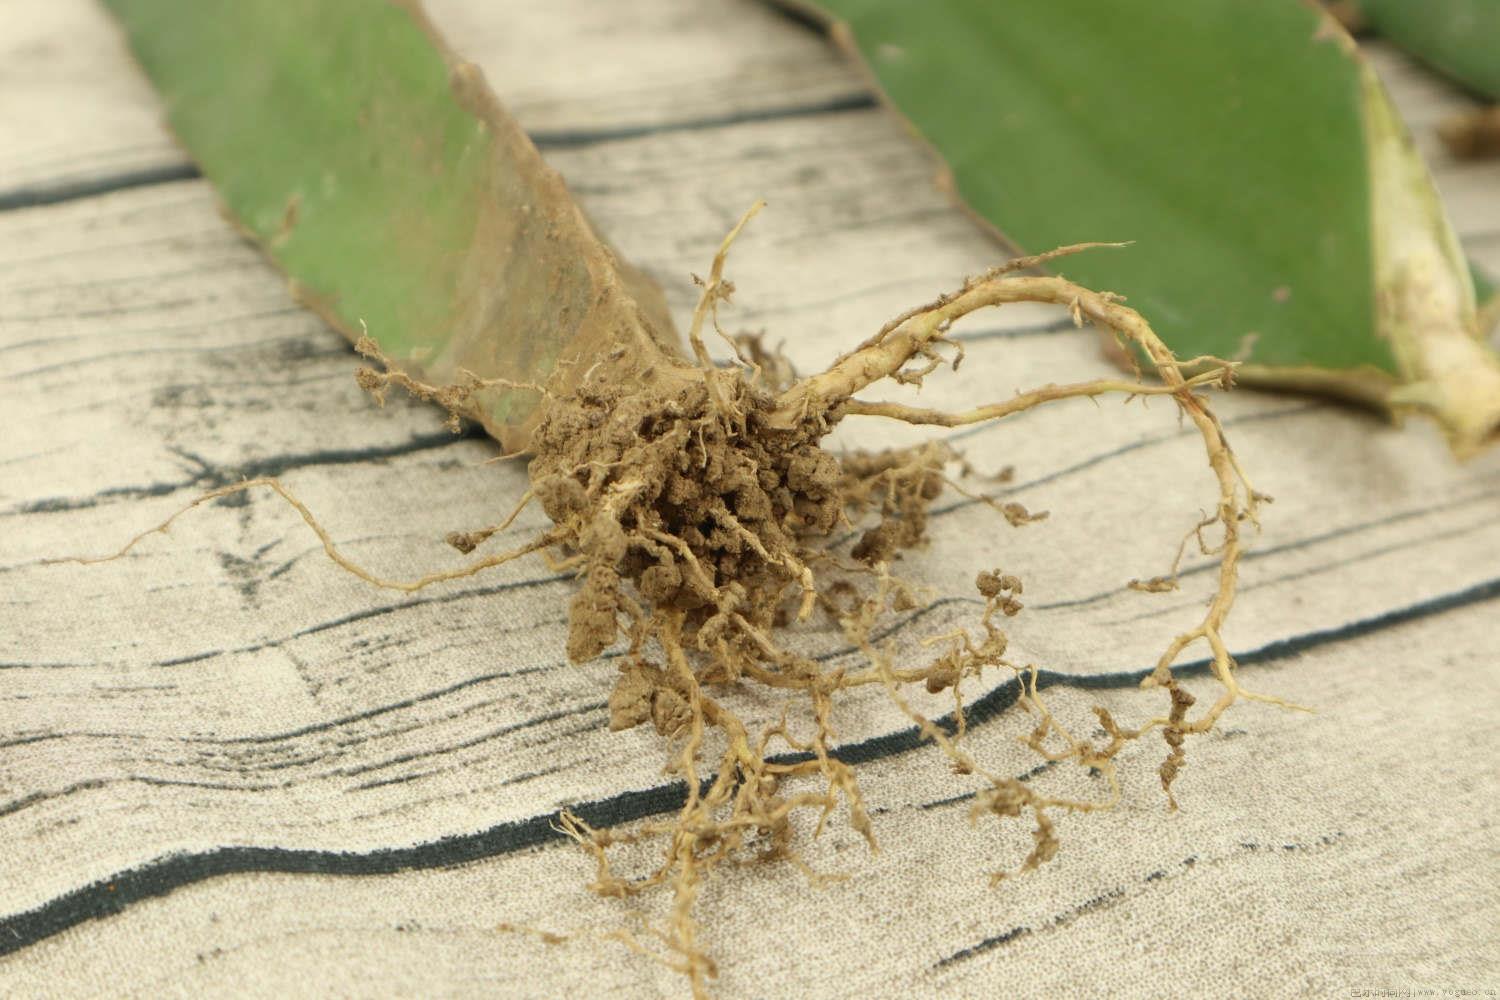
1149,125
1458,37
381,175
1243,146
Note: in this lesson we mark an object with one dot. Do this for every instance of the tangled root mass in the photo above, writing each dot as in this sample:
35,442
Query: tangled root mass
702,509
701,513
703,519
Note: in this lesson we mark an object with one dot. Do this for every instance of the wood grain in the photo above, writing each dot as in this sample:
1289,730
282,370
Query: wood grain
225,689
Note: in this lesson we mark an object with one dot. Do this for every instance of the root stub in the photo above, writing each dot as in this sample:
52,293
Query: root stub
704,518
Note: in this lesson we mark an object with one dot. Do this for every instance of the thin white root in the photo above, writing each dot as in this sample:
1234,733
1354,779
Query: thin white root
468,541
1009,267
329,547
715,290
1026,400
916,333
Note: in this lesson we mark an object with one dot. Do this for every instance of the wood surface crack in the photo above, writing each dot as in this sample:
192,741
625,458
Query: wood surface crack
165,874
35,195
211,475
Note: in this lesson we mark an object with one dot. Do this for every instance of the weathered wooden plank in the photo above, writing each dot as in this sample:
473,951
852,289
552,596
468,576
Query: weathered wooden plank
1299,878
384,712
557,65
226,685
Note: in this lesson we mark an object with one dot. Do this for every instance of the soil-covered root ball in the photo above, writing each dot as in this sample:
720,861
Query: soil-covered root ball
704,518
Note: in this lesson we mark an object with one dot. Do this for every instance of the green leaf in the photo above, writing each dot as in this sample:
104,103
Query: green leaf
1484,288
1458,37
1277,208
380,172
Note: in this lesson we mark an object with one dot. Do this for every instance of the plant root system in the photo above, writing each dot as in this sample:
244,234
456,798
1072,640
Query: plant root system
702,516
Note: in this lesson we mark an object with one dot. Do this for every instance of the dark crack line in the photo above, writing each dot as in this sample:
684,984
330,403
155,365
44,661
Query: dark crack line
1111,896
1015,332
243,260
1144,442
298,345
210,476
1327,567
1307,541
364,614
165,874
576,138
274,308
379,710
94,784
35,195
342,721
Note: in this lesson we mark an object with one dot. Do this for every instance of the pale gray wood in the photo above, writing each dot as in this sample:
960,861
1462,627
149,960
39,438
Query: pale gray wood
225,685
1302,866
557,64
